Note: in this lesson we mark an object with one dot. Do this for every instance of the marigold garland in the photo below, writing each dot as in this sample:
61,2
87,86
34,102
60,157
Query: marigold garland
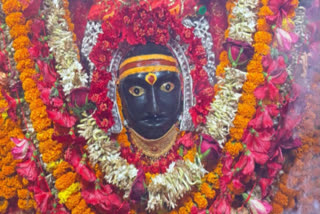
25,66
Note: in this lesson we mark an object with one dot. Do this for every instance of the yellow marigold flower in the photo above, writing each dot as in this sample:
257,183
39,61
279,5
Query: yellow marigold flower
21,42
220,68
21,54
65,194
28,84
207,191
11,6
183,210
3,206
25,64
264,11
262,25
19,30
16,18
73,200
53,155
53,165
25,182
61,169
233,148
212,177
263,37
249,87
200,200
189,205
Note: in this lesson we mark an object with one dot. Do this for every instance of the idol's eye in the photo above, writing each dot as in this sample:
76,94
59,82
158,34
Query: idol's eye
167,87
136,91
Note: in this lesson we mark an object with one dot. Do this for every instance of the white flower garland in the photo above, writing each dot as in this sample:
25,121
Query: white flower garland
243,21
224,107
165,188
65,50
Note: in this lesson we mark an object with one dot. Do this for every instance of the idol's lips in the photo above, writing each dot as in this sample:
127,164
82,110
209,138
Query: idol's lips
154,119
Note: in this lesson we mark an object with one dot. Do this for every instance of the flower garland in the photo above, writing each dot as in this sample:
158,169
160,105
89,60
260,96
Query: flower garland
11,185
165,188
51,150
60,40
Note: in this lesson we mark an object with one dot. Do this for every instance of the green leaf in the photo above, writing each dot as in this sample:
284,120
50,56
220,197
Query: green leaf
181,151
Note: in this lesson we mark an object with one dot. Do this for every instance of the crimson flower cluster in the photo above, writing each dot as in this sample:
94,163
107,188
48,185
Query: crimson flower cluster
140,25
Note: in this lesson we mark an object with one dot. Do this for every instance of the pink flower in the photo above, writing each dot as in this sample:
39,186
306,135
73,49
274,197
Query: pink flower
12,105
186,140
239,52
73,156
259,207
63,119
28,169
280,9
245,164
22,150
221,205
104,198
263,117
285,39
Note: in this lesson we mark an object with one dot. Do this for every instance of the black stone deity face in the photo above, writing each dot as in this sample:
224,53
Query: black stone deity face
150,90
151,110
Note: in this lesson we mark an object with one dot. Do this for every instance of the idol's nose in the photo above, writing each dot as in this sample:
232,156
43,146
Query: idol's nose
153,105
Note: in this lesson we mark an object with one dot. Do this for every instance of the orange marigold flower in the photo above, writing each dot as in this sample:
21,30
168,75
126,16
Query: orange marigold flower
36,104
224,56
276,208
8,170
61,169
249,87
255,78
32,95
24,194
262,25
246,110
80,208
207,191
21,54
264,11
73,200
28,84
45,134
200,200
264,2
254,66
236,133
233,148
26,204
27,73
15,18
65,181
122,139
47,145
248,99
263,37
261,48
212,177
183,210
11,6
3,206
220,68
21,42
173,212
190,154
25,64
53,155
25,182
240,122
41,124
281,199
19,30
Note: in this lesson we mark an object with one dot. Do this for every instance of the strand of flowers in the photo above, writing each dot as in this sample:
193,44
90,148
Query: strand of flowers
121,174
60,40
11,184
51,150
224,108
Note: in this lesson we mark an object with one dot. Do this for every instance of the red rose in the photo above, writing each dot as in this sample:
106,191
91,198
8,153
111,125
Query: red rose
79,96
239,53
138,189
